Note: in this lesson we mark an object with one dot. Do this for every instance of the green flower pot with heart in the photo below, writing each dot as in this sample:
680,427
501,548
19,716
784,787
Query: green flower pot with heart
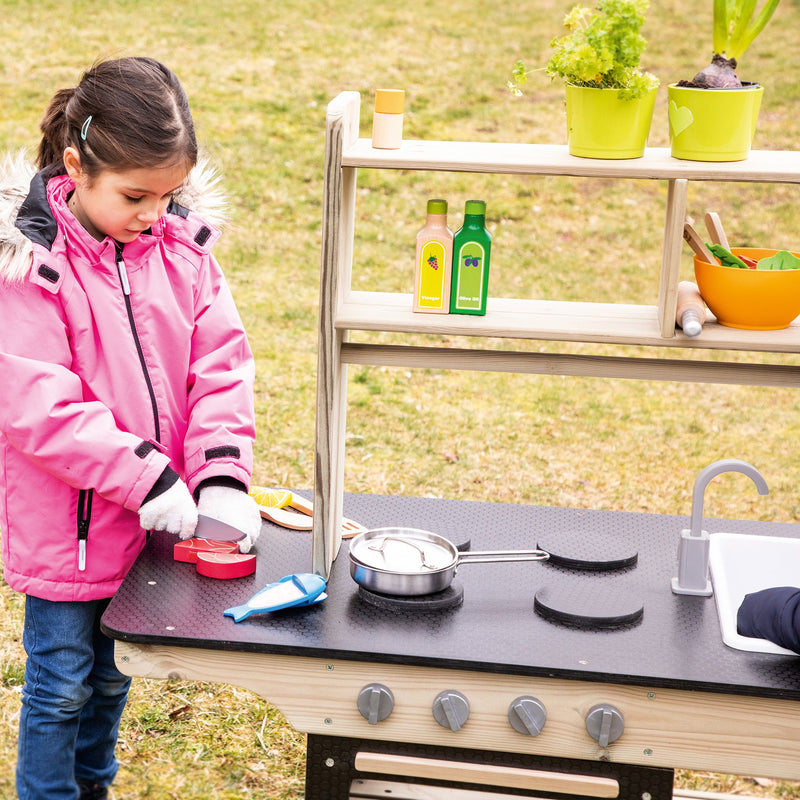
713,124
713,116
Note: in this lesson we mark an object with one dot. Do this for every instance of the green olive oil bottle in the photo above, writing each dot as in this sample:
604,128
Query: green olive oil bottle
472,246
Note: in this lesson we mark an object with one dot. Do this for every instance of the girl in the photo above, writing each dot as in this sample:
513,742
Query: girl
128,396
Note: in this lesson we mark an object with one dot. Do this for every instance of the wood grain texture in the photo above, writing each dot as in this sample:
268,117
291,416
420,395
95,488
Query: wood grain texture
507,777
734,734
338,215
762,166
555,320
662,369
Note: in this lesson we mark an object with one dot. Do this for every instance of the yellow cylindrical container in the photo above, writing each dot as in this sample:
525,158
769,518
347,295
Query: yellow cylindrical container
387,122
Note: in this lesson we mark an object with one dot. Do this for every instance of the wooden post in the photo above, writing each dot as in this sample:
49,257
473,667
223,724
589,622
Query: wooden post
671,256
338,219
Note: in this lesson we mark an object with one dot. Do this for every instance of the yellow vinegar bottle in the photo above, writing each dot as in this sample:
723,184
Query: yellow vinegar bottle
433,263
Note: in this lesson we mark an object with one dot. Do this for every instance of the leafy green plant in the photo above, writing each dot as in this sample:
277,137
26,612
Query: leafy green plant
736,25
602,50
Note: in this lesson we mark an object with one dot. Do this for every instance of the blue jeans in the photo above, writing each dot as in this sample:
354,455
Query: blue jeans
72,700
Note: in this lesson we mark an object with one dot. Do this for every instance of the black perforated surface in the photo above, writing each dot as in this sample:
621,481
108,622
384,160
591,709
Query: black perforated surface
676,644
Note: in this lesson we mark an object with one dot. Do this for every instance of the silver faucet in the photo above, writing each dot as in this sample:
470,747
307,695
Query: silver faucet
693,546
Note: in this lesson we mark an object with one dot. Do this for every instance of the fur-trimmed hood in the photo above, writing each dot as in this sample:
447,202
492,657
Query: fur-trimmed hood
201,193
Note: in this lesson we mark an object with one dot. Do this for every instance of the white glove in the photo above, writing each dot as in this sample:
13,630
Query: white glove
233,507
173,511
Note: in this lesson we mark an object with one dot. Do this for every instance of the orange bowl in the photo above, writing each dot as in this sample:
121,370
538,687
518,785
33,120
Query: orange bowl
753,299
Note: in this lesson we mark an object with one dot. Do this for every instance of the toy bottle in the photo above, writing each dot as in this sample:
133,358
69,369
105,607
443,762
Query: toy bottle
387,120
691,311
434,257
472,246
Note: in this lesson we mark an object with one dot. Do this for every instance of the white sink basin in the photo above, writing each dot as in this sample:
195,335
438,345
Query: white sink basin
743,563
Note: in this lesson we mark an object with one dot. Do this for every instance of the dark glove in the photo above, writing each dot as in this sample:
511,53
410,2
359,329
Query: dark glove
772,614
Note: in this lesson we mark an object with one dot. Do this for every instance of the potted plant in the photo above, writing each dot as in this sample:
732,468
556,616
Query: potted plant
609,97
713,116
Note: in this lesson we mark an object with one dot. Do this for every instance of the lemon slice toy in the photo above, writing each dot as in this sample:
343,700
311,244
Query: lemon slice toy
270,498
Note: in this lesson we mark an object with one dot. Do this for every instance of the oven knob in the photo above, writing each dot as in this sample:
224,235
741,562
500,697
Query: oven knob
451,709
375,702
527,715
604,723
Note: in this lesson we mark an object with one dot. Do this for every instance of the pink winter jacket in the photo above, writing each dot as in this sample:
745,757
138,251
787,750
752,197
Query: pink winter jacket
113,367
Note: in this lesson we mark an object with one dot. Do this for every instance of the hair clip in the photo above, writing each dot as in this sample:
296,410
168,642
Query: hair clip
85,127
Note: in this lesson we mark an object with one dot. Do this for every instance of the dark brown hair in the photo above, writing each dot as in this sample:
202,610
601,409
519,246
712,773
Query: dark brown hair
124,114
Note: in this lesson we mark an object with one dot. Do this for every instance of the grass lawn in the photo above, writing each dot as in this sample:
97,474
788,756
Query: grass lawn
259,76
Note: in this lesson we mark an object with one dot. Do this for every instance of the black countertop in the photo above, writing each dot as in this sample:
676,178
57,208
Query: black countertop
676,644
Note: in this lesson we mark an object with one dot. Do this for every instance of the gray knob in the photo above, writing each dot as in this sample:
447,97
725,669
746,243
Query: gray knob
451,709
375,702
527,715
605,724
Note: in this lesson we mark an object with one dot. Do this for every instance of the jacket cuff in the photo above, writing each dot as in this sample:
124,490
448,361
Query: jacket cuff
219,480
166,479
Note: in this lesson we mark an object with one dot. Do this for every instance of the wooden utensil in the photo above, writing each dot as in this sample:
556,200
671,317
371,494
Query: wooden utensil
697,244
287,519
303,521
715,230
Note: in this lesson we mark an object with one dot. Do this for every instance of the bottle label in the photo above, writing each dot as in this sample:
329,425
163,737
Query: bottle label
469,284
431,281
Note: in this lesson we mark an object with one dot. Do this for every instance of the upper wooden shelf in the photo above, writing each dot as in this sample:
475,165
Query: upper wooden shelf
765,166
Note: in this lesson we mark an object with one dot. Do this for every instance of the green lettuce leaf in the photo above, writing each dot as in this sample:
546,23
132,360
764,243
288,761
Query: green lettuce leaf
783,259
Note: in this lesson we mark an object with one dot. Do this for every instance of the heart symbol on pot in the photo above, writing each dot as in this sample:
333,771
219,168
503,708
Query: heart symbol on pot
680,118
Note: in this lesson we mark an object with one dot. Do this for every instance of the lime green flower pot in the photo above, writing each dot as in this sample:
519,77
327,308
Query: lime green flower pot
601,125
713,124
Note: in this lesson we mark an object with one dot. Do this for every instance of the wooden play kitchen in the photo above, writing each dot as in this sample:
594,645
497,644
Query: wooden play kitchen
479,696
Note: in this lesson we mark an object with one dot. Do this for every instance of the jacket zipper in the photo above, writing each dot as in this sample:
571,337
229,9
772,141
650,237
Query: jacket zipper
85,495
84,517
126,291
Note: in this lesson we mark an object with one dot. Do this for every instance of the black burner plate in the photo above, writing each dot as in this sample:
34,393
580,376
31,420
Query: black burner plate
451,597
589,607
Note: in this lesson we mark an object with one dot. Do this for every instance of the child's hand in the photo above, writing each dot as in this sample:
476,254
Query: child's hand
173,511
233,507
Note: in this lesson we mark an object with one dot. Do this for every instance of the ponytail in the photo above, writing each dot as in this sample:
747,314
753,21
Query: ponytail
54,128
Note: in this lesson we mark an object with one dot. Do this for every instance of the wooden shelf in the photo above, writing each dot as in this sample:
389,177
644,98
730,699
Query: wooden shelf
343,311
552,320
767,166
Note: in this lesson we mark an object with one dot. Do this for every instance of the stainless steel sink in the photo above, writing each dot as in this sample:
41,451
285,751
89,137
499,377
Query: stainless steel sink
744,563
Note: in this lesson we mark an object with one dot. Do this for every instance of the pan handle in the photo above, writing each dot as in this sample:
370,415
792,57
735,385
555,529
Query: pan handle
488,556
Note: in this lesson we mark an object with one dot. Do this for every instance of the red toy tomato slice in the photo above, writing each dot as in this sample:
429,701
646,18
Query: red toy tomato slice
226,565
188,549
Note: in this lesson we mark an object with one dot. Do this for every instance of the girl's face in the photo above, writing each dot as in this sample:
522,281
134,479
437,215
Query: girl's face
121,204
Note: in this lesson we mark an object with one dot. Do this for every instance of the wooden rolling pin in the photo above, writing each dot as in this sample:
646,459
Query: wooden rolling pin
691,310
